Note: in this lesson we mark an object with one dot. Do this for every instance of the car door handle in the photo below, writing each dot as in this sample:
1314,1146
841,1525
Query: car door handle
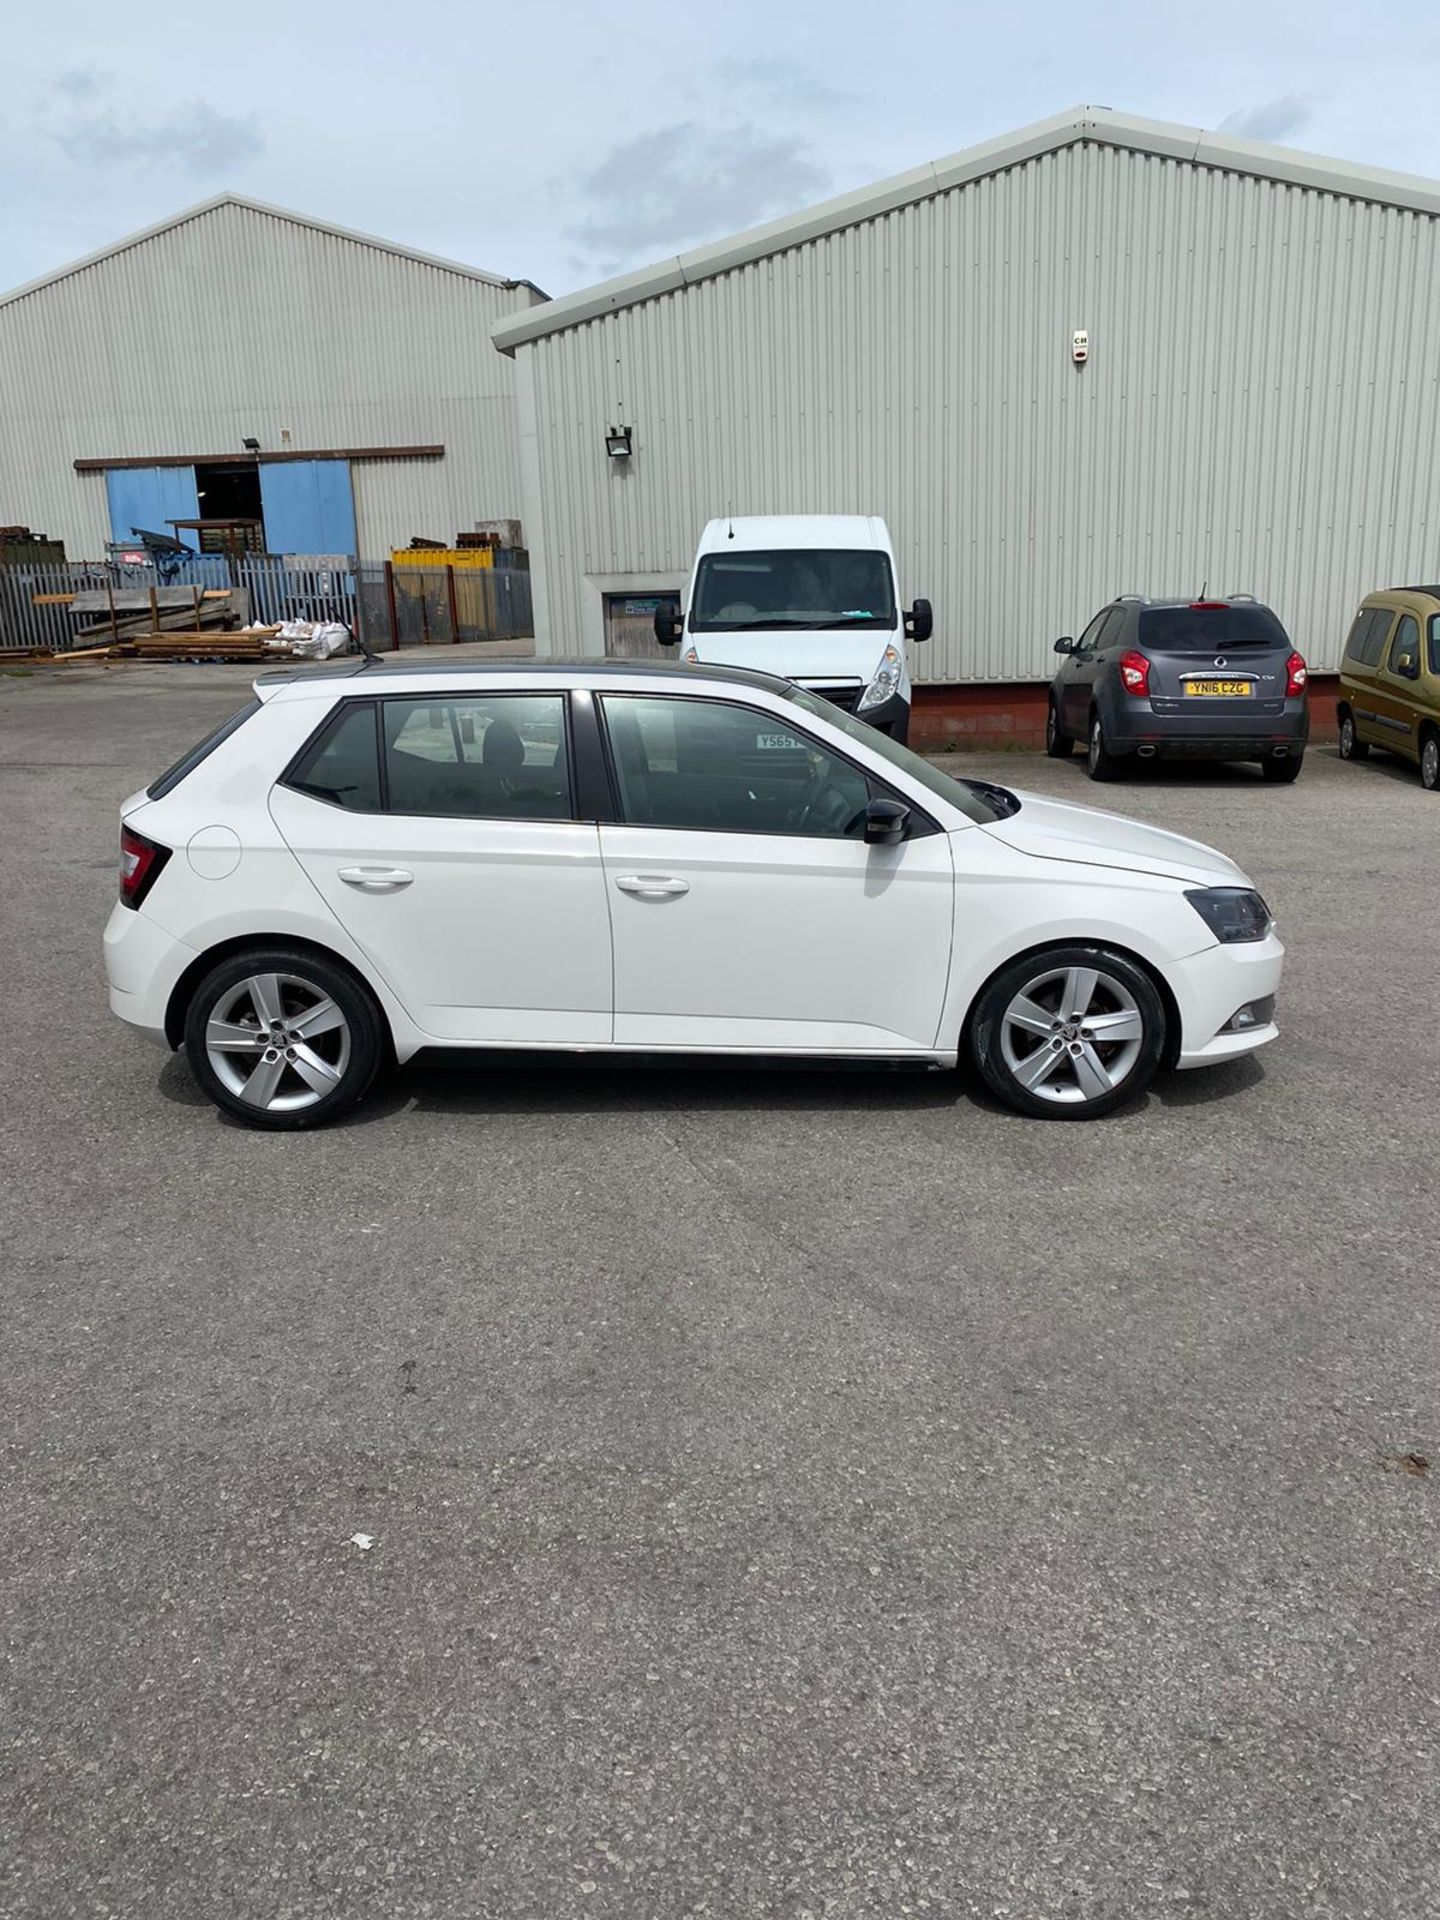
654,886
376,879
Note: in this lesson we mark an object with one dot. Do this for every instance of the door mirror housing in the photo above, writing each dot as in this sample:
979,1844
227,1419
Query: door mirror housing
885,822
669,627
1065,644
1405,665
919,621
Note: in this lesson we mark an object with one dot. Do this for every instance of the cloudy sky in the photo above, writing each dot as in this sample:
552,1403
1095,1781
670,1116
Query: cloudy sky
561,142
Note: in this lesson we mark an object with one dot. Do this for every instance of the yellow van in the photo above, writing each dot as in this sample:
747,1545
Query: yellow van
1390,680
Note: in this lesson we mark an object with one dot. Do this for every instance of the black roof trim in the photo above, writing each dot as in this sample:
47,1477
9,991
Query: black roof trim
499,669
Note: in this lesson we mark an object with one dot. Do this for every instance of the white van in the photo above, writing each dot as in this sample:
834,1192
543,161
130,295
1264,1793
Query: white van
808,596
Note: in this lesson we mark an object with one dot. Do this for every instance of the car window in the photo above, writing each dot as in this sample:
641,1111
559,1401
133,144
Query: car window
342,763
1209,628
480,756
1367,642
1089,639
712,767
1433,644
1406,645
1110,633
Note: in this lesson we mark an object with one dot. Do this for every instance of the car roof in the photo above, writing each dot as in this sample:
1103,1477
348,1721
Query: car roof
1165,600
794,532
481,672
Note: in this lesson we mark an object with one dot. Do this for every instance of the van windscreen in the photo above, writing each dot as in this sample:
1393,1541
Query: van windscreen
1203,629
807,587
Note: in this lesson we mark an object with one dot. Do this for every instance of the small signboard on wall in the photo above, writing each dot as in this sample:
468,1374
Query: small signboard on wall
630,625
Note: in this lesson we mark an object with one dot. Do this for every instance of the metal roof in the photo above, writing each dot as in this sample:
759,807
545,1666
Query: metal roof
220,200
1097,125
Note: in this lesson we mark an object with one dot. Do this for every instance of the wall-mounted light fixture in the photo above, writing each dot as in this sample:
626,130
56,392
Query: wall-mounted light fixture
618,443
250,444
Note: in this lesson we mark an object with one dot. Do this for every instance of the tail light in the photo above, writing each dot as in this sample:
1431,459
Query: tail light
140,864
1296,674
1135,673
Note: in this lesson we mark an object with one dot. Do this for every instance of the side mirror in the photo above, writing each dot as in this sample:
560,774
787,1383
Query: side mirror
669,627
1405,664
885,822
1065,644
919,621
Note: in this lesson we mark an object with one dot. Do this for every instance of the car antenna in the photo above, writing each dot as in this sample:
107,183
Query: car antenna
364,645
730,517
1204,586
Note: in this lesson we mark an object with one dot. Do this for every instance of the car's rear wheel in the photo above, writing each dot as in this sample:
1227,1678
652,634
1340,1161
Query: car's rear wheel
1070,1033
1058,743
282,1038
1430,763
1100,763
1281,772
1352,747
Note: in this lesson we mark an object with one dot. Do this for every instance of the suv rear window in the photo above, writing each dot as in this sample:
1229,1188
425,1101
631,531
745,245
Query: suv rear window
1203,629
187,763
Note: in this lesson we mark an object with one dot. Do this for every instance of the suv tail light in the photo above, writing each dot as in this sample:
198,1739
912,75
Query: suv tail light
1135,673
1296,674
140,864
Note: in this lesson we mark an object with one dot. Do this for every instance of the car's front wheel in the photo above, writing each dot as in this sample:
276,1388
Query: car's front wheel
1070,1033
1058,743
282,1038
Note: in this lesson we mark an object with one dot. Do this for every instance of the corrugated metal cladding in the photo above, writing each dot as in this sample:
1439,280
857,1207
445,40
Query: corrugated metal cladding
1258,412
240,322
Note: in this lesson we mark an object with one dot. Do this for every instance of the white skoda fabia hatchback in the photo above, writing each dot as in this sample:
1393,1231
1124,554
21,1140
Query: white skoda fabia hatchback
369,861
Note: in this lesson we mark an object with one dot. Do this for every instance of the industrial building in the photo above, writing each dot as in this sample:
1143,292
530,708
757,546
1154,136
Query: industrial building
251,378
1100,355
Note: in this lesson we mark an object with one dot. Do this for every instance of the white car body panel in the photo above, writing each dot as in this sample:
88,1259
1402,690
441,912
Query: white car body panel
516,934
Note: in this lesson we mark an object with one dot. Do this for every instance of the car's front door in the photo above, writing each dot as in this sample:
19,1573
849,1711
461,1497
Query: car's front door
747,910
1080,677
1397,689
440,832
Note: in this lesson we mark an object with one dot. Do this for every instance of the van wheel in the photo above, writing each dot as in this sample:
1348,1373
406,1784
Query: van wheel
282,1039
1280,773
1430,763
1352,747
1069,1033
1100,763
1058,744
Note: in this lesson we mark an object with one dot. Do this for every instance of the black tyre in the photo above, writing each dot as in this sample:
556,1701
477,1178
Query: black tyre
1280,773
1070,1033
1058,743
1352,747
282,1038
1100,763
1430,761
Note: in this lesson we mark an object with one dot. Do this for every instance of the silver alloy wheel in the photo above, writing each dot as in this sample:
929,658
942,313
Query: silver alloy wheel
1347,737
1097,743
1072,1034
1430,764
277,1041
1052,725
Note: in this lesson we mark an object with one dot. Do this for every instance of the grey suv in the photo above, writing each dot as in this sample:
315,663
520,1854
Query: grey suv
1197,679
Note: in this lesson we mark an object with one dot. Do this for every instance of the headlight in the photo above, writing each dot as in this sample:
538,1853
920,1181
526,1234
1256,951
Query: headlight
1232,913
886,683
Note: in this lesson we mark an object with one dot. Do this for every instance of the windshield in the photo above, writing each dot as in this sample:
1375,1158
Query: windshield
978,800
809,587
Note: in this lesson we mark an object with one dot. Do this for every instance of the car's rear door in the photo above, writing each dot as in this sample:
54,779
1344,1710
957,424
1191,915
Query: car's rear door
1364,651
441,832
748,911
1216,657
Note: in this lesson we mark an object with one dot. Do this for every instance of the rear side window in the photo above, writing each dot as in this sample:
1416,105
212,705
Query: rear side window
478,756
187,764
1205,629
1432,635
342,763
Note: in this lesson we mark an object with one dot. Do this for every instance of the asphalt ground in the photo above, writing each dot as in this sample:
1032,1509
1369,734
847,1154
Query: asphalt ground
791,1494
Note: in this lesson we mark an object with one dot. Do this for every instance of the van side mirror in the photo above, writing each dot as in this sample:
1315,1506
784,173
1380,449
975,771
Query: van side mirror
885,822
1405,665
919,621
669,627
1065,644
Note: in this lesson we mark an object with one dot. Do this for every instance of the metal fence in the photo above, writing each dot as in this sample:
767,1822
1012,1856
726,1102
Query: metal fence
387,606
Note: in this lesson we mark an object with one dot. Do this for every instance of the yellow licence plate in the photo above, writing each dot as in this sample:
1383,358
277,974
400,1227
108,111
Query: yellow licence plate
1218,689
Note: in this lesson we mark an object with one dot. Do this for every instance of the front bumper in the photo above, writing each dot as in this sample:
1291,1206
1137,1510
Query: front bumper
1211,986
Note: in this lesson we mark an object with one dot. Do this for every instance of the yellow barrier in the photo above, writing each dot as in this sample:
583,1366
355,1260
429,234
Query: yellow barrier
443,557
